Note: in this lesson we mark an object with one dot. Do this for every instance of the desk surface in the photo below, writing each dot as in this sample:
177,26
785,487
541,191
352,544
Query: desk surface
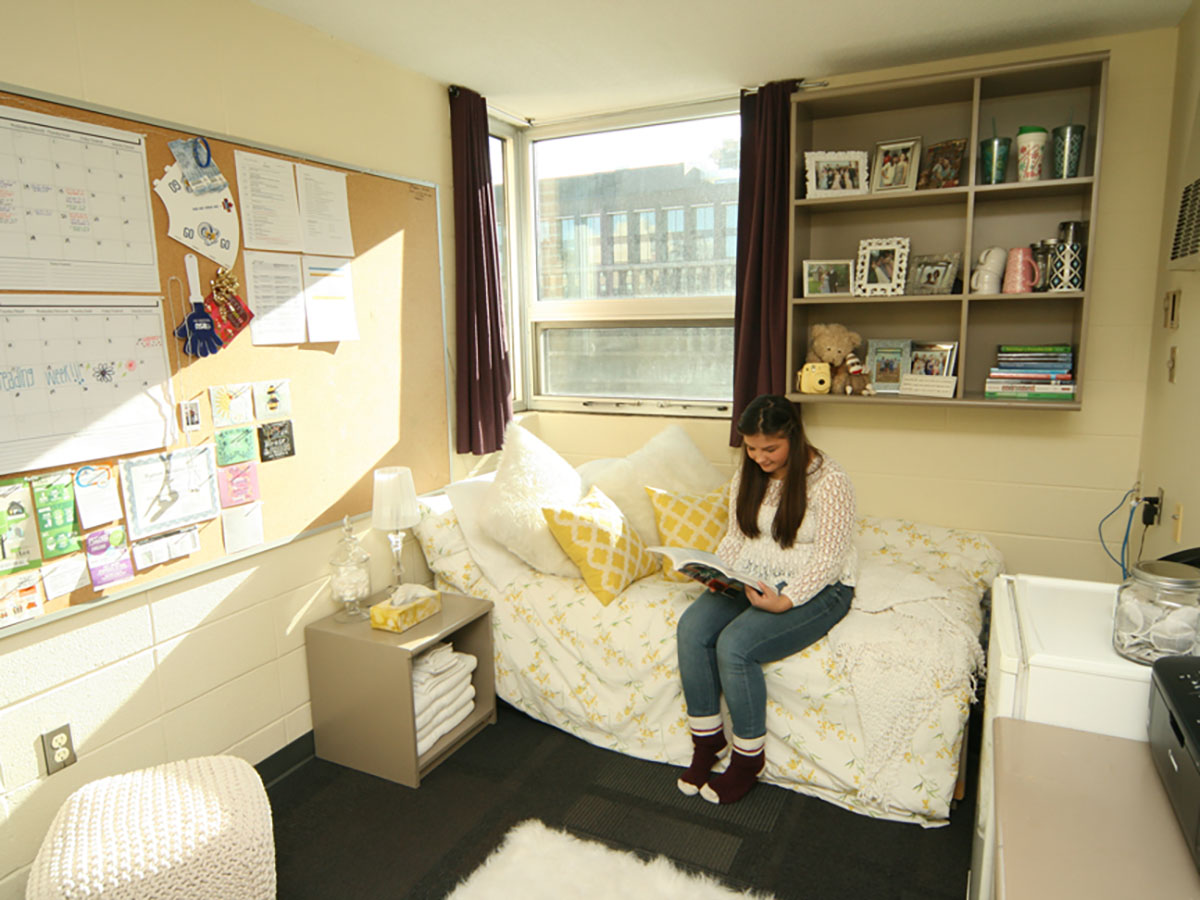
1083,815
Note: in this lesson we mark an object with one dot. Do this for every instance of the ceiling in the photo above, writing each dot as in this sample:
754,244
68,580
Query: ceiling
545,60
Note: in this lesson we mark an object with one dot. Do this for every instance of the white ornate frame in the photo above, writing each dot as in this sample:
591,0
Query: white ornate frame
863,286
814,158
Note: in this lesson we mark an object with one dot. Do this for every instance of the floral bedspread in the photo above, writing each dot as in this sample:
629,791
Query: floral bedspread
608,674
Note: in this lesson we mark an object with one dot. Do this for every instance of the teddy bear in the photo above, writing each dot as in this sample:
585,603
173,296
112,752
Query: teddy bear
835,344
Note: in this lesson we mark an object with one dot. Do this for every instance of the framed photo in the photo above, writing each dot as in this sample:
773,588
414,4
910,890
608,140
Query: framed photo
836,173
896,165
942,166
828,277
934,274
887,360
932,357
882,267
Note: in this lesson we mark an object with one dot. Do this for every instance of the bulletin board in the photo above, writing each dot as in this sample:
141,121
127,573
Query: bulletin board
353,404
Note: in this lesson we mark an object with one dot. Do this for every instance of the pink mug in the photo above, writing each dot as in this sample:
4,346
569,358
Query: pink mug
1022,271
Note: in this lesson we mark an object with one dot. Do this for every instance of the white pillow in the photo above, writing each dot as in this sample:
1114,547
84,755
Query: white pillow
618,481
529,477
498,565
671,461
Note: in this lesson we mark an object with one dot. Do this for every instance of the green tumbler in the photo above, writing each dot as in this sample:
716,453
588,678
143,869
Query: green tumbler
993,159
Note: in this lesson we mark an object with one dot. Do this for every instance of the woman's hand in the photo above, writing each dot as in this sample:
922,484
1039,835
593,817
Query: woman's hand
767,599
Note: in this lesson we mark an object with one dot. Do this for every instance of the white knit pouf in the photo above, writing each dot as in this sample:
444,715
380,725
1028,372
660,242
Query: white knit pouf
194,829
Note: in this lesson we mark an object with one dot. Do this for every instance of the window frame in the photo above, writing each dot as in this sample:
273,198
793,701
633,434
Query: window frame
511,137
539,315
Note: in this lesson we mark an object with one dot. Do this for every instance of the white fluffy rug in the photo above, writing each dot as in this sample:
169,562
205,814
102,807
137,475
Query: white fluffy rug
539,863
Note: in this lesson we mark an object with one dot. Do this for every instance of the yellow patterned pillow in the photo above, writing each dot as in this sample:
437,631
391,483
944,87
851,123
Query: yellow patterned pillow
690,520
607,550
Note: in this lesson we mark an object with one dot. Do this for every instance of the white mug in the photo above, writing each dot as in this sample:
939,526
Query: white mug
985,281
989,270
994,259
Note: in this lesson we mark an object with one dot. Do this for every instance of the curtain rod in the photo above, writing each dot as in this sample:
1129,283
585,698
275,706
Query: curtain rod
587,117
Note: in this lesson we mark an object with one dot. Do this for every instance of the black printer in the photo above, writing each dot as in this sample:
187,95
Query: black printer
1174,733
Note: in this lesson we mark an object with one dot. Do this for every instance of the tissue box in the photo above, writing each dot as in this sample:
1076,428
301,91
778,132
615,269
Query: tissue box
398,618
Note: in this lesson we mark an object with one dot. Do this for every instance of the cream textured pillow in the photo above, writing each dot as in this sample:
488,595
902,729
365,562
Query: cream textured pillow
602,544
690,520
619,482
530,476
671,461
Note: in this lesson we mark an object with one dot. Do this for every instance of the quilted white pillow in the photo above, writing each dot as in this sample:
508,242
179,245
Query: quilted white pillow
672,462
468,499
530,476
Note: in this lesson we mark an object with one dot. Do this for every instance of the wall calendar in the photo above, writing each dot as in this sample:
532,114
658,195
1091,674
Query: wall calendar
74,206
81,377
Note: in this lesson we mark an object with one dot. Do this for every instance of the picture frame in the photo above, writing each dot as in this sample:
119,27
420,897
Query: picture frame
882,267
933,273
836,173
827,277
942,166
932,357
887,361
896,165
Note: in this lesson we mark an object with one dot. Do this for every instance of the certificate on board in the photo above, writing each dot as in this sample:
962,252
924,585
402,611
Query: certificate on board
168,491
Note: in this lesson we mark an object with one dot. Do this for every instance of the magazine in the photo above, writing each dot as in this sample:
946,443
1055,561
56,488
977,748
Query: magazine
708,569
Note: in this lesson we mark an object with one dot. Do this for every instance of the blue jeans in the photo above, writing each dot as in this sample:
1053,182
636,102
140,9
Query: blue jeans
724,642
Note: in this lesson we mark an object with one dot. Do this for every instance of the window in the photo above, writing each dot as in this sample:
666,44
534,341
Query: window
632,300
500,152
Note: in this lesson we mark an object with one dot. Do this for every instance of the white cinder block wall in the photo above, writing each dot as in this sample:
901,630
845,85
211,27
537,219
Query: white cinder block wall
213,663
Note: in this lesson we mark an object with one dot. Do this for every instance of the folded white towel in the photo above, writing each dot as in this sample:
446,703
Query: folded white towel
463,662
426,742
451,701
437,659
446,688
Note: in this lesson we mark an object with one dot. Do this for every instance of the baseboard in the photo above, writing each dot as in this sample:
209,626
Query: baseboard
287,759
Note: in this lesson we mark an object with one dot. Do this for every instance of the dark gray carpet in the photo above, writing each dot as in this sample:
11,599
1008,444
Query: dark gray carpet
340,833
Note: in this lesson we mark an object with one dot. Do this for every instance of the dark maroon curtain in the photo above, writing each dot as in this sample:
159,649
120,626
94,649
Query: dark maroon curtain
481,347
760,307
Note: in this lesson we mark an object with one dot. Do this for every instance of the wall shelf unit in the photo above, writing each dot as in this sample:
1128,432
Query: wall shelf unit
965,219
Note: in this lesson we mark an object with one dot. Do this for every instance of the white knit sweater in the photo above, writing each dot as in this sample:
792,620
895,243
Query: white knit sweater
823,551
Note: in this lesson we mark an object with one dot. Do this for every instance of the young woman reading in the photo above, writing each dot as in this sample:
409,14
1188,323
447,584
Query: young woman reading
792,524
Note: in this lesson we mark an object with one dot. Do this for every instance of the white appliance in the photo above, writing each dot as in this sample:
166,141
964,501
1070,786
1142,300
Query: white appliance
1050,660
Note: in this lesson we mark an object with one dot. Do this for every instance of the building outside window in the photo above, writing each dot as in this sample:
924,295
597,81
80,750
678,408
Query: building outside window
633,300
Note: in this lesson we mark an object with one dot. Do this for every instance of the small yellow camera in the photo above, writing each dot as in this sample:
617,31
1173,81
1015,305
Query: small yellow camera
814,378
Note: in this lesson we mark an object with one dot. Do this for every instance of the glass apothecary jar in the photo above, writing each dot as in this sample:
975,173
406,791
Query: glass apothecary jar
1158,611
351,580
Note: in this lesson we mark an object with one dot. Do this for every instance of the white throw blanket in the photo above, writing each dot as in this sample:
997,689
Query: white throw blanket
873,646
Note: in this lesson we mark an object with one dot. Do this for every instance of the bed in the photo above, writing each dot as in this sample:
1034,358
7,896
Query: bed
871,718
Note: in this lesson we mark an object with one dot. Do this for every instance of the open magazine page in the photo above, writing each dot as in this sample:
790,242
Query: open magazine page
708,569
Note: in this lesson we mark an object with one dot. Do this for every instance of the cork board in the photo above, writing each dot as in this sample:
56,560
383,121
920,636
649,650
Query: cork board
355,404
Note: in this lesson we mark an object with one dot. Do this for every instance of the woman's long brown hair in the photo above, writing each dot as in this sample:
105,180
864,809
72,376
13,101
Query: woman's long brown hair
773,415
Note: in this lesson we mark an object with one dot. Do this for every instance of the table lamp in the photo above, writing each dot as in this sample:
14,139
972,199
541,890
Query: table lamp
394,509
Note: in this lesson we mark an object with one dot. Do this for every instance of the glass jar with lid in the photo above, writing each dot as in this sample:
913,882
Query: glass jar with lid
351,580
1158,611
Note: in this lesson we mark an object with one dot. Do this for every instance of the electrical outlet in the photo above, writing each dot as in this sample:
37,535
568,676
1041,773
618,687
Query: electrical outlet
58,749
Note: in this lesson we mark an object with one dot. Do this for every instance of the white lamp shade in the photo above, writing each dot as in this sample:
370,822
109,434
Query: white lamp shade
394,506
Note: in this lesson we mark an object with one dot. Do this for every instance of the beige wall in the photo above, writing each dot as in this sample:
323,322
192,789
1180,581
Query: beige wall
1036,482
1172,432
214,663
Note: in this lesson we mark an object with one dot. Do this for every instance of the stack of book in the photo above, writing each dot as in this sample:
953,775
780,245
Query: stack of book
1031,372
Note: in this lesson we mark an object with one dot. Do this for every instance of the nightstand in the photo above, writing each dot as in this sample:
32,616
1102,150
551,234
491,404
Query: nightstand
360,682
